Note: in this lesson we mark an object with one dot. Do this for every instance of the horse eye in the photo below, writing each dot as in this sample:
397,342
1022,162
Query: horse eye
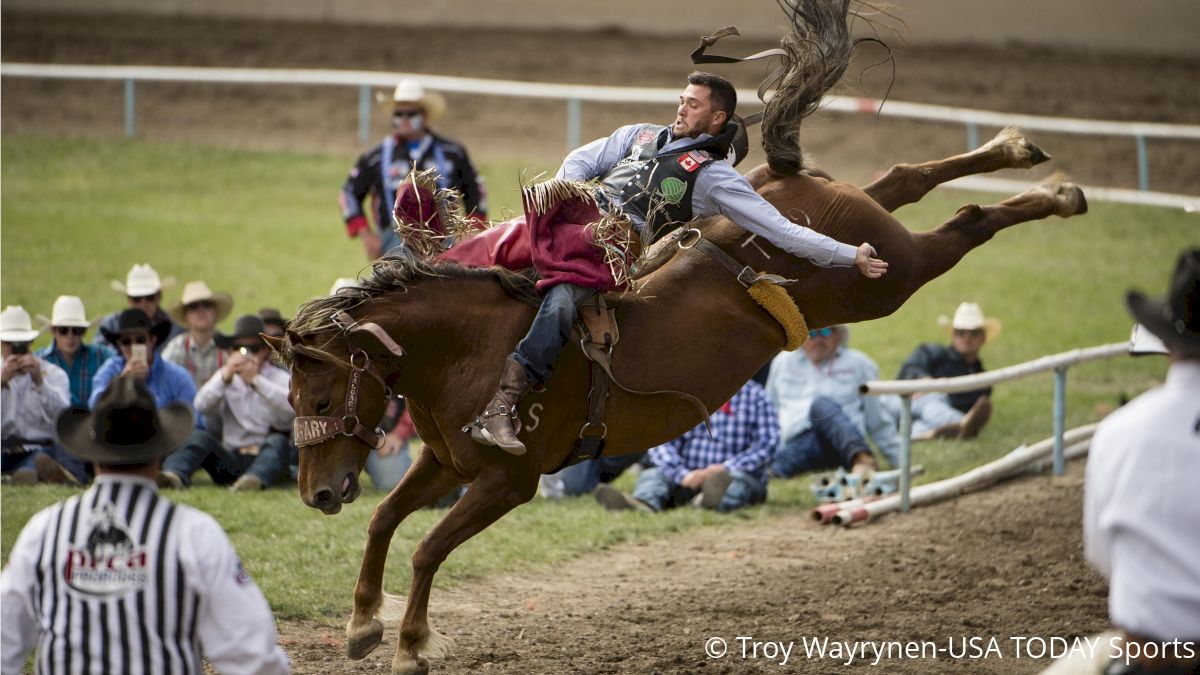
323,405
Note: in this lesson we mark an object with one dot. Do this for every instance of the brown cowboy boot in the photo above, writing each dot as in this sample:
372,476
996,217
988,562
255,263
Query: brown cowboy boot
498,424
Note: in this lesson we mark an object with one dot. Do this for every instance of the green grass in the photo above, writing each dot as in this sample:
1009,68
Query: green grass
264,226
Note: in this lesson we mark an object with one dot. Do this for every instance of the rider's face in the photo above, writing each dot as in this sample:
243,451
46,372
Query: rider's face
695,114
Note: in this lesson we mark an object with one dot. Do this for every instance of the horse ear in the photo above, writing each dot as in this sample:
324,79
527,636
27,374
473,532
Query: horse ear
371,338
275,343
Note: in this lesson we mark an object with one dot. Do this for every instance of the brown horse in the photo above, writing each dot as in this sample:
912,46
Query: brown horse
690,327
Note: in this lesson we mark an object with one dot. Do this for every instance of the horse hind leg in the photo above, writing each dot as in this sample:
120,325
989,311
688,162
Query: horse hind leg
493,494
424,483
908,183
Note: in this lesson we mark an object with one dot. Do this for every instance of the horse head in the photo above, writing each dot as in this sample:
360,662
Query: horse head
342,378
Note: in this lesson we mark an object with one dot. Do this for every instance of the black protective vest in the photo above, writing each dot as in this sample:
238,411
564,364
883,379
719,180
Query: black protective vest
657,188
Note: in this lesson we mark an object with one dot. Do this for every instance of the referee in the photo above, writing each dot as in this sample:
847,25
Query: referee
119,579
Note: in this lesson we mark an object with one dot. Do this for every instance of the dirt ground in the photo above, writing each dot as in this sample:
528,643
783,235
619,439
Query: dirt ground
1002,563
1017,79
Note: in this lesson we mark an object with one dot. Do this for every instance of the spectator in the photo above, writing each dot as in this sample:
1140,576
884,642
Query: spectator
250,395
824,418
34,392
958,415
199,311
412,146
137,338
120,580
724,471
1140,520
273,322
143,290
80,361
583,478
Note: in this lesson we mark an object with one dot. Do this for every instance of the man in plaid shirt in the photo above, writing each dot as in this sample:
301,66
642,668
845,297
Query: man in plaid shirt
725,471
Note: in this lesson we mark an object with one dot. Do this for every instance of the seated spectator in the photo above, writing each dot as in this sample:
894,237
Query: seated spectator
584,477
958,415
119,579
250,395
723,472
80,361
143,290
34,392
824,419
137,338
199,311
273,322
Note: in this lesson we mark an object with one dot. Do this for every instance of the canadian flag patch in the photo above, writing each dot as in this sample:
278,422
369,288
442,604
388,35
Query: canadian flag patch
692,161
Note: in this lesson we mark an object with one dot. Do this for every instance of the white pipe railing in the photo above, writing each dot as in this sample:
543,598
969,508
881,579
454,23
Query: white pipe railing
1057,362
574,94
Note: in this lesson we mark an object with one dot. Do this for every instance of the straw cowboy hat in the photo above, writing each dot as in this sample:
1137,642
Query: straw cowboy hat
133,320
1175,319
198,291
126,427
15,325
969,316
412,92
141,281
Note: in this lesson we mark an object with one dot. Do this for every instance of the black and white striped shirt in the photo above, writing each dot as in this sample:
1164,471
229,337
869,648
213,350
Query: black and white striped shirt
121,580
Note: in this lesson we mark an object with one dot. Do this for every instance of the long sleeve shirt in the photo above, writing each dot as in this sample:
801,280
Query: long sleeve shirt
1141,524
80,372
795,381
121,580
719,190
930,360
168,382
248,413
30,411
745,436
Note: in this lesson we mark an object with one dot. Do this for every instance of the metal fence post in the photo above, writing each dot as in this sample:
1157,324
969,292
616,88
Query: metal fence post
1143,164
129,107
972,136
574,115
1060,414
905,449
364,113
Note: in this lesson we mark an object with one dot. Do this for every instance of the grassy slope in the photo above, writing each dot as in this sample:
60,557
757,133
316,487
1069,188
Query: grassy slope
78,213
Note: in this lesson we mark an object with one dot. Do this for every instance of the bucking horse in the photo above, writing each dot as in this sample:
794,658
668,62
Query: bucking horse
437,333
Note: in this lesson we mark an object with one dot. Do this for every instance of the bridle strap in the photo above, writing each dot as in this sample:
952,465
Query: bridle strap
745,275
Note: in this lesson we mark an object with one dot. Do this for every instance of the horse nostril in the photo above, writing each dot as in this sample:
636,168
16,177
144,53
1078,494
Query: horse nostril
323,498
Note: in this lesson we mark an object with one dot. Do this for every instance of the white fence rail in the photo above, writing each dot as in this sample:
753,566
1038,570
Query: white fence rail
1057,362
575,94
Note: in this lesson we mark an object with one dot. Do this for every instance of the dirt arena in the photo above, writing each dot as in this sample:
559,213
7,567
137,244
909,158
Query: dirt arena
1002,563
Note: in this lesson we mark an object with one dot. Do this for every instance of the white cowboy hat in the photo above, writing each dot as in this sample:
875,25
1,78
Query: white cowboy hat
16,326
197,291
969,316
68,311
342,282
412,92
141,281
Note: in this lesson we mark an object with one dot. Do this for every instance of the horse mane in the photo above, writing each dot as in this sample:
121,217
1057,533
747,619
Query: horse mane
398,271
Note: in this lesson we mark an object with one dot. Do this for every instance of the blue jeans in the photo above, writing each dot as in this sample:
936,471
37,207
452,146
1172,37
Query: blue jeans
15,459
831,441
386,472
654,488
582,478
551,329
204,451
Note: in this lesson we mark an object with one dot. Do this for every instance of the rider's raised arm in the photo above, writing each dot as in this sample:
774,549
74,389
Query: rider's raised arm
599,157
720,189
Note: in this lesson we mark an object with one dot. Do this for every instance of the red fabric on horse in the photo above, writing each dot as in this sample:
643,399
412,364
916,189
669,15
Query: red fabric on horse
505,245
415,206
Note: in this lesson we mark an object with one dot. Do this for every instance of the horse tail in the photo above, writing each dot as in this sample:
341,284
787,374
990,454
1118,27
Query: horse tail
819,50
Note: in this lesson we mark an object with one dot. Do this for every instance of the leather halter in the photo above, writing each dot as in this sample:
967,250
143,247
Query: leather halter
745,275
315,429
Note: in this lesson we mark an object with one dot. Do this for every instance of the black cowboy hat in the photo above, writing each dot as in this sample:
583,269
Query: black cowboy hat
134,319
272,315
246,326
125,427
1176,318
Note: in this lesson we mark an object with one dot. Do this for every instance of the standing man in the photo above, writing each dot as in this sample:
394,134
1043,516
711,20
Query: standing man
143,290
80,361
412,146
137,338
121,580
961,414
824,418
656,177
33,393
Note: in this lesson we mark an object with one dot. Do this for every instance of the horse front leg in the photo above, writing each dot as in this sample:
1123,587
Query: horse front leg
908,183
498,490
425,482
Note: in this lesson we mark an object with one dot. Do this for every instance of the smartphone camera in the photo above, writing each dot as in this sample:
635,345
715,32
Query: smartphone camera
20,347
138,352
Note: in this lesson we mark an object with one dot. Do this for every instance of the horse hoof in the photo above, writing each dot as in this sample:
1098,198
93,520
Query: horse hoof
1036,155
1071,201
418,667
358,646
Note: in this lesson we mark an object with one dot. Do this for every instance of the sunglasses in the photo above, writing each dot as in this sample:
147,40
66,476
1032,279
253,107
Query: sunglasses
200,304
70,330
139,299
135,340
973,332
820,332
407,113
